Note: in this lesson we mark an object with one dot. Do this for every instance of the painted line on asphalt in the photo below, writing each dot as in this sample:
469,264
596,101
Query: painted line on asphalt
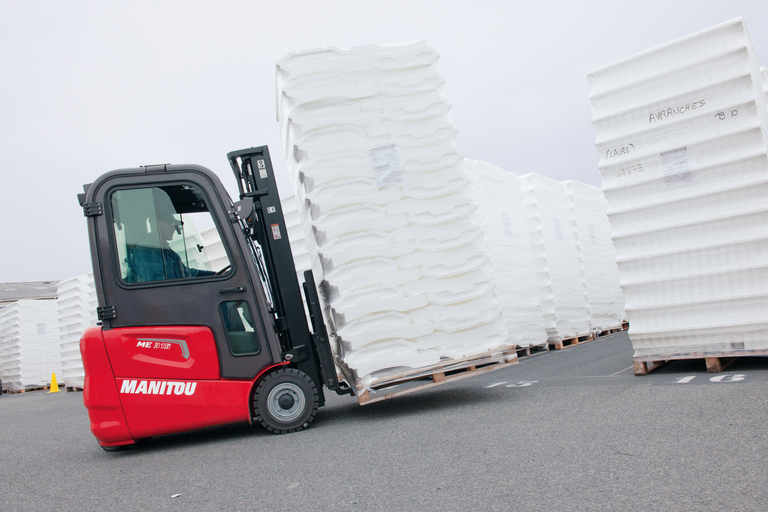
621,371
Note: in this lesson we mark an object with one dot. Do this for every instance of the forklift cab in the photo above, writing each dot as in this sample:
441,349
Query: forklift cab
201,324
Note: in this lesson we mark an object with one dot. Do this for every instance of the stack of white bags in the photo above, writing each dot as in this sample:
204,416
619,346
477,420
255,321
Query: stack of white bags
562,295
597,257
764,72
301,257
77,305
370,149
217,256
501,216
682,145
29,344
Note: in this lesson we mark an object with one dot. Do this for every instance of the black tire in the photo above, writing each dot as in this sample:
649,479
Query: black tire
286,400
113,448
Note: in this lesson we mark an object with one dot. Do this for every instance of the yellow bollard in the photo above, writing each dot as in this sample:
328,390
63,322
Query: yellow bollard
54,384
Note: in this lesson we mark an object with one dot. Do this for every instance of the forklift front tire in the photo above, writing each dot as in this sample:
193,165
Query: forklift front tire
286,400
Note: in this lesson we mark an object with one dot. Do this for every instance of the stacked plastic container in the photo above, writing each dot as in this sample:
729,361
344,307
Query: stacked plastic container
77,305
501,215
682,146
370,147
562,296
596,254
29,344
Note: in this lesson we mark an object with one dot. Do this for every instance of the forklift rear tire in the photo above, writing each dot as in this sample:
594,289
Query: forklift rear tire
286,400
112,448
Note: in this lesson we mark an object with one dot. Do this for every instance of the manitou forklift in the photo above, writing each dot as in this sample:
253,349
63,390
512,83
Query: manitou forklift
189,336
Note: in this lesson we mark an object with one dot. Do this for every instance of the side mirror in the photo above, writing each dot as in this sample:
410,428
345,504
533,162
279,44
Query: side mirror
246,211
81,197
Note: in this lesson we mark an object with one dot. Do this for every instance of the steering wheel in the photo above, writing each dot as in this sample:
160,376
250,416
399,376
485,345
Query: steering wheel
224,270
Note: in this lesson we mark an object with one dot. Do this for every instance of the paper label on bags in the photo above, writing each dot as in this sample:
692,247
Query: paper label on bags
558,231
506,224
676,167
386,166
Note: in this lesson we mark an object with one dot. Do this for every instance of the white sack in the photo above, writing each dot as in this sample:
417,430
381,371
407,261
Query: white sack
29,344
370,148
501,215
597,256
76,306
561,286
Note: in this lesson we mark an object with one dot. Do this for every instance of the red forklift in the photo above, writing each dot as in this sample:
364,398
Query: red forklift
189,339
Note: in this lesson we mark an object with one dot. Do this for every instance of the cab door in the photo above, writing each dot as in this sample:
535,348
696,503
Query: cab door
173,282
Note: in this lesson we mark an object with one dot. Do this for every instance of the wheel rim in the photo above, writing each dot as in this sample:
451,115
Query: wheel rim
280,391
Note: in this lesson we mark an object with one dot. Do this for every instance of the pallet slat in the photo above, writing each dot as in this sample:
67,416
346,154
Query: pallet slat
715,362
568,342
435,376
26,390
437,379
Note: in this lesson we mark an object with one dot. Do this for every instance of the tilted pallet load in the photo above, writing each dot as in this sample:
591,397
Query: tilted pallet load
370,148
29,344
597,256
77,305
561,286
500,213
682,146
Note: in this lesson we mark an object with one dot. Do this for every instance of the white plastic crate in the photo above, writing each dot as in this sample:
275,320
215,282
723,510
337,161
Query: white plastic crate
682,145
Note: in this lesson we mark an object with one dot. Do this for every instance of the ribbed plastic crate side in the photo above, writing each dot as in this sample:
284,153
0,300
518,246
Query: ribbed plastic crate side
670,56
686,191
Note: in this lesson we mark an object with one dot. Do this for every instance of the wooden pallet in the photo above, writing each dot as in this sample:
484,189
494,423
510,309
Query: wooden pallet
437,375
529,351
568,342
608,332
625,326
73,389
715,361
25,390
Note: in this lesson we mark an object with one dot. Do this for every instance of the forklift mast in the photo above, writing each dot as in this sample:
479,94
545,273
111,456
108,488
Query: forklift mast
261,216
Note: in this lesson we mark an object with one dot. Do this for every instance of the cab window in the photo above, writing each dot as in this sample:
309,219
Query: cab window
238,324
159,234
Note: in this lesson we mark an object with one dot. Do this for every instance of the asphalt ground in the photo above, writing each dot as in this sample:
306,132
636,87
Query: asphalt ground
562,430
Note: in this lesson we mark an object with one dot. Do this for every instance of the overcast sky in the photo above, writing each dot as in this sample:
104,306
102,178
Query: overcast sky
91,86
